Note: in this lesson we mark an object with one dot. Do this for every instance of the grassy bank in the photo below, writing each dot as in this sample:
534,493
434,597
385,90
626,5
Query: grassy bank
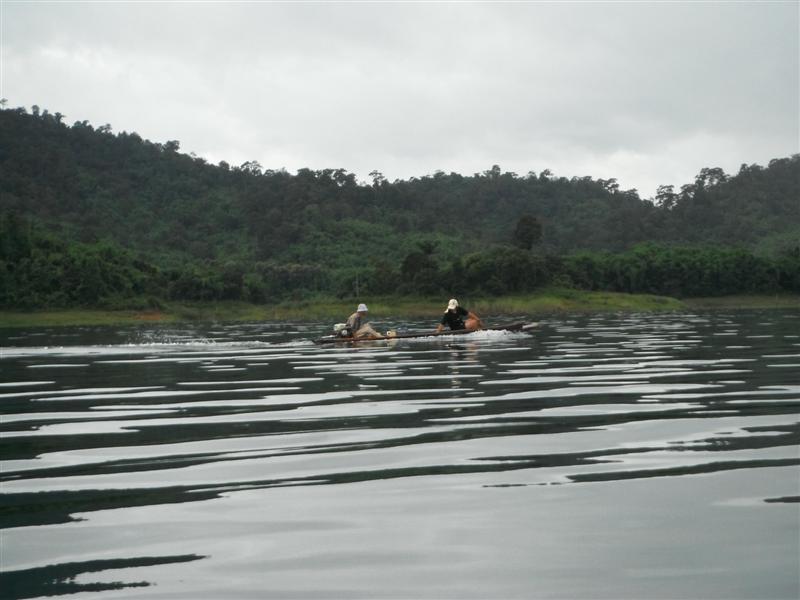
744,302
531,305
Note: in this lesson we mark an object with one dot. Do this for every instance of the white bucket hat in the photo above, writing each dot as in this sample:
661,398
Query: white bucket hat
362,308
452,305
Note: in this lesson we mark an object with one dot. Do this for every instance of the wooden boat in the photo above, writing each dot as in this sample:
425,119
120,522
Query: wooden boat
512,327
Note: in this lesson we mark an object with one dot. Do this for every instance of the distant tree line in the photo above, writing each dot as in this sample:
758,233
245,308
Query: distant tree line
90,216
38,270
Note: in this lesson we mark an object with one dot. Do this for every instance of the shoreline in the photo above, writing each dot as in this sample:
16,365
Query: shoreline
546,302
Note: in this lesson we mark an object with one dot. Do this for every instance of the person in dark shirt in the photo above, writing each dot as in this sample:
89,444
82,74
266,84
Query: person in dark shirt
457,317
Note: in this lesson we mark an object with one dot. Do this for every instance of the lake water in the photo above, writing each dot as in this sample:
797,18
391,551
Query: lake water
612,456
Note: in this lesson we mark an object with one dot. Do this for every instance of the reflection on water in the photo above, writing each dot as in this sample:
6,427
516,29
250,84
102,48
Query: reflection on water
606,456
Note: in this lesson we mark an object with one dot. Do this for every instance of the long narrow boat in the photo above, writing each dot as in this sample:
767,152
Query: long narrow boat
335,339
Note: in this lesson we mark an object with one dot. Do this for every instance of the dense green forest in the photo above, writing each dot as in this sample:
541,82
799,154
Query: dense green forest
89,217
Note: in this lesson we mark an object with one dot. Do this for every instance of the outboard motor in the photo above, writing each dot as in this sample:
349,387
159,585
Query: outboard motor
342,330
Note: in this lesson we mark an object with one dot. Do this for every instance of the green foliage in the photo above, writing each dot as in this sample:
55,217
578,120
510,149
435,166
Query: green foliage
502,270
528,232
37,269
89,217
420,273
685,271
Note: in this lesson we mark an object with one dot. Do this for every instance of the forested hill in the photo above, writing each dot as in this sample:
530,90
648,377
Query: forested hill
93,184
192,221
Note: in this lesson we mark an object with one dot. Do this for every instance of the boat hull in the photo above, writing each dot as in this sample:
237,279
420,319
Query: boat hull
333,339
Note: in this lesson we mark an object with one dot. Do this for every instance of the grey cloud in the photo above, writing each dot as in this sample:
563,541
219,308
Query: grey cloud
610,90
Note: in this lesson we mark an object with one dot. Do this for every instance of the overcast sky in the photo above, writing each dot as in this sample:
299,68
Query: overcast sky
646,92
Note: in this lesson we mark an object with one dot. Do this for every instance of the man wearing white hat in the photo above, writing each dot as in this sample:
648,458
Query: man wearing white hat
358,325
458,317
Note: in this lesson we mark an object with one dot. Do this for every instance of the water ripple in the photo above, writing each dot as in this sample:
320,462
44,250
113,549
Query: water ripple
202,418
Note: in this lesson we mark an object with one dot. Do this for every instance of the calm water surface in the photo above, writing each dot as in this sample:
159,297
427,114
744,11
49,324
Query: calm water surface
634,456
